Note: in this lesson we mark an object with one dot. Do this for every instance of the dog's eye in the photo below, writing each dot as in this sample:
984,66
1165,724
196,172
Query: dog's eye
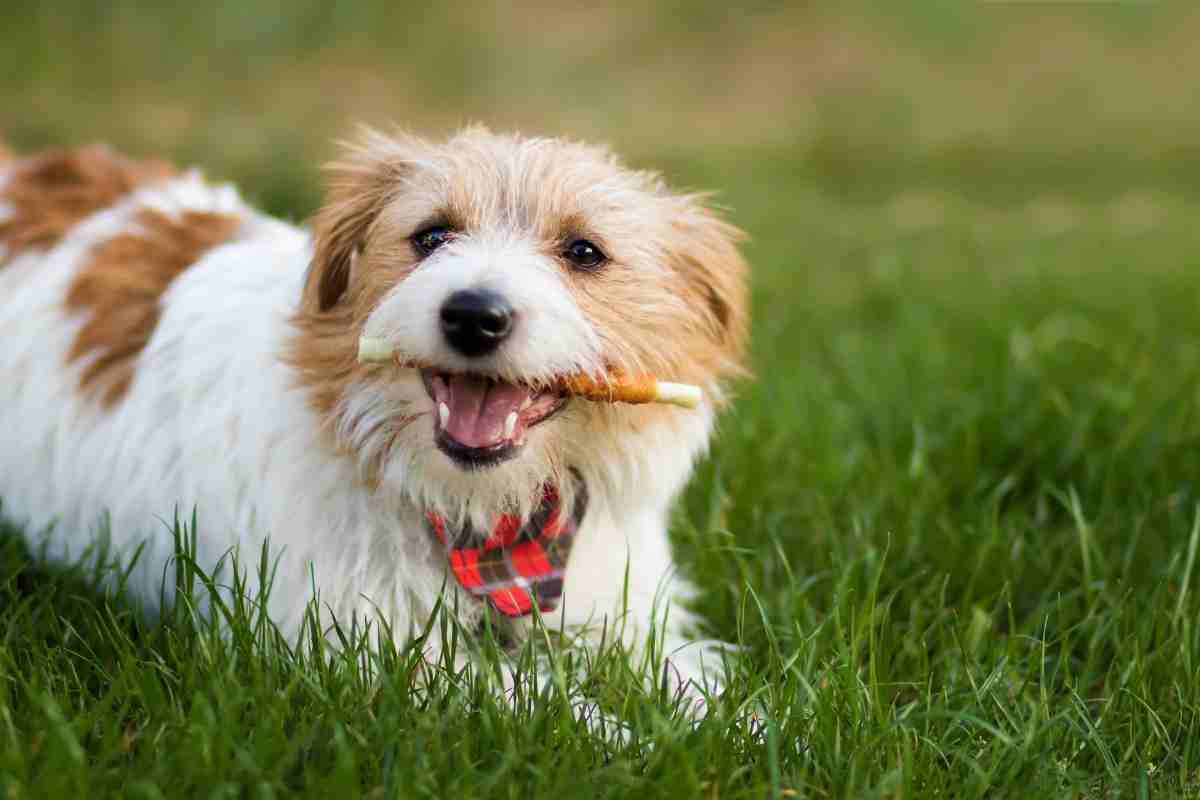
431,239
584,255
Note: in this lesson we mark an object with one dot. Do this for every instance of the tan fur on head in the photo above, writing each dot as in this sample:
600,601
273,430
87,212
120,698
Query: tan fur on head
677,309
51,193
120,286
673,301
338,292
670,301
6,154
358,187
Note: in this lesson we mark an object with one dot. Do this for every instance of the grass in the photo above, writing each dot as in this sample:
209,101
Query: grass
954,522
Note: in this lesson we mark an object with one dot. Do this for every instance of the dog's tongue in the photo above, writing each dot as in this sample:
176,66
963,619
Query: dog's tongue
479,408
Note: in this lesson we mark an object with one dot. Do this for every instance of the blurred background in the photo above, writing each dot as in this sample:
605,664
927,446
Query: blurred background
999,100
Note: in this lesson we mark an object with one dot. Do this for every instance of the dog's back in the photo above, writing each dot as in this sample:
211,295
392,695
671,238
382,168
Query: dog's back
141,309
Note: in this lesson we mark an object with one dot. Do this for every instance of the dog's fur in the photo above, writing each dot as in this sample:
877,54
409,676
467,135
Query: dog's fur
166,347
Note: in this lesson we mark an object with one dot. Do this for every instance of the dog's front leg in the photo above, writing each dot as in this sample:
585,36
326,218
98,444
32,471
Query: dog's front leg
622,582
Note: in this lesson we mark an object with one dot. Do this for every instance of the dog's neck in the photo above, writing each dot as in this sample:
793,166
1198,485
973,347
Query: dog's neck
517,564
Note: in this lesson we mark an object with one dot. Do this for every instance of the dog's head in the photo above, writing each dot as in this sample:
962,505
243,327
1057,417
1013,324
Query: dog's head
502,263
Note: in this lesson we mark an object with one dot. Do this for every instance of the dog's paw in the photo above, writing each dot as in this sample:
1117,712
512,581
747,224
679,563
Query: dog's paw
603,725
696,674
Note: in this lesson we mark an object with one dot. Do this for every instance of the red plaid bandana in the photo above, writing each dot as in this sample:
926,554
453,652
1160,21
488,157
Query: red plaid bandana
515,566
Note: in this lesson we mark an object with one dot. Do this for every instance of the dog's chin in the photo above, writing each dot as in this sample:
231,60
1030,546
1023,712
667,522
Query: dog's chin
479,421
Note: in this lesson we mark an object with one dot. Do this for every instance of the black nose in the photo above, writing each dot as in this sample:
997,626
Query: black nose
476,321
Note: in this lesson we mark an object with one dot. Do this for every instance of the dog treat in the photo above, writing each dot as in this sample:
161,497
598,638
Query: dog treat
371,350
618,388
615,388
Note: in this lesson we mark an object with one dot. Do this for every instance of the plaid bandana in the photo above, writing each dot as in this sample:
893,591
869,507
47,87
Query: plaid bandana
516,565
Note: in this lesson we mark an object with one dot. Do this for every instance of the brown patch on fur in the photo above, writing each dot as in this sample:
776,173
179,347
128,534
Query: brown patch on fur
679,310
120,287
714,275
340,289
53,192
325,354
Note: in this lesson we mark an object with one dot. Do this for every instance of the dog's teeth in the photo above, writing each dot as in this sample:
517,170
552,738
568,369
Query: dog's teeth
443,413
510,424
527,402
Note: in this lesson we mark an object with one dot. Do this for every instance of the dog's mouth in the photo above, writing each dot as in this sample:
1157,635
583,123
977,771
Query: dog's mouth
480,421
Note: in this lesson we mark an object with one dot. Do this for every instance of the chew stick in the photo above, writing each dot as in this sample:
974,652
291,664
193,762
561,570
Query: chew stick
614,388
618,388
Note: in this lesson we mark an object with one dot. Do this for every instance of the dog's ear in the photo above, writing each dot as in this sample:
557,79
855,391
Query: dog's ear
359,185
708,259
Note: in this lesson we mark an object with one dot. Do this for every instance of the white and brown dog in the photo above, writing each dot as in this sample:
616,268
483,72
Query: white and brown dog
165,347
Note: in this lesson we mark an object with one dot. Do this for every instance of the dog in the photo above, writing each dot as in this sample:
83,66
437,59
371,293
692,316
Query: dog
167,347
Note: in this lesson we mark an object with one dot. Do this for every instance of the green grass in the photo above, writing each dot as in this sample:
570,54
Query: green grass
953,522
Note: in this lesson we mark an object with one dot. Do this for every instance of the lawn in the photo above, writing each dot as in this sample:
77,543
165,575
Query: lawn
953,521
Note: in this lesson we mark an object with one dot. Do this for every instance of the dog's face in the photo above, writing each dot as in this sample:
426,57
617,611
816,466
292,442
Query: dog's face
500,263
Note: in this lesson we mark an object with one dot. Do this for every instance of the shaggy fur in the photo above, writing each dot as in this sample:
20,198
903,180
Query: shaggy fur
168,348
120,287
47,195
